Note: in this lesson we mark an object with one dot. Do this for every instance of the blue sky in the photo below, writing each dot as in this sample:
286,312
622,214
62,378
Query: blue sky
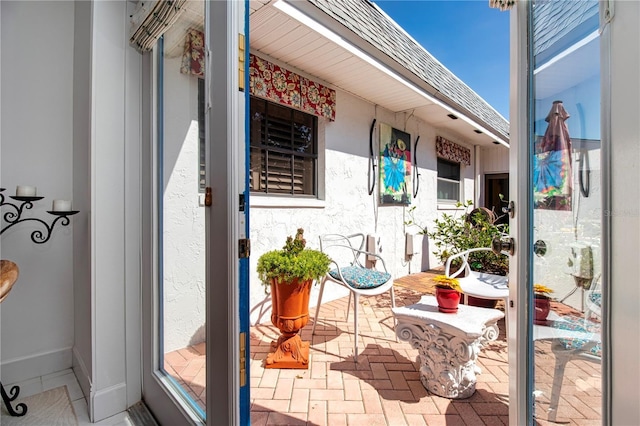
468,37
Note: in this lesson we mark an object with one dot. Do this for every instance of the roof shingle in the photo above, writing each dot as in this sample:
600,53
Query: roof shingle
372,25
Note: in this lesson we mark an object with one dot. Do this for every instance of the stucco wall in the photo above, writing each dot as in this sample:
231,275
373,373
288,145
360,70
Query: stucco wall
183,215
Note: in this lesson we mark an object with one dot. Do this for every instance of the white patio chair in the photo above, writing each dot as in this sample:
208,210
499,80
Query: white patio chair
478,284
572,338
349,259
593,300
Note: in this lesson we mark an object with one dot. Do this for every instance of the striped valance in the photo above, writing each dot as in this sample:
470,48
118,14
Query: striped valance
452,151
152,19
277,84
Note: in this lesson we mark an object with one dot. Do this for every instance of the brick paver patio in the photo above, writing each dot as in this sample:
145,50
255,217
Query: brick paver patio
383,387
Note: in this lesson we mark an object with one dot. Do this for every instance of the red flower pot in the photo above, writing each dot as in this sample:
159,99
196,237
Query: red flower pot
542,306
448,299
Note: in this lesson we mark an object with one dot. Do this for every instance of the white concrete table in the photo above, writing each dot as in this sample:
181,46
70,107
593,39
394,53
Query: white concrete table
448,344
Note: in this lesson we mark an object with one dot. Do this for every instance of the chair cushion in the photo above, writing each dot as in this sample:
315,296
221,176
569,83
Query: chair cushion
596,298
572,323
361,278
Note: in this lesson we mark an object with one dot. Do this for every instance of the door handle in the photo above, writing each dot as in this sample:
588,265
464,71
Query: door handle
500,245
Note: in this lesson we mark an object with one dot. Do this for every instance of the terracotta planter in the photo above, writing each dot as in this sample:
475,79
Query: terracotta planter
448,299
290,313
542,306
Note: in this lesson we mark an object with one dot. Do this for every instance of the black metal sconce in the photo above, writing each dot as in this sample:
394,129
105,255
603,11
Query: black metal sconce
60,209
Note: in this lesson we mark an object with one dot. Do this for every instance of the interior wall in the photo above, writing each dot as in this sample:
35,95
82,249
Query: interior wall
82,353
115,211
37,143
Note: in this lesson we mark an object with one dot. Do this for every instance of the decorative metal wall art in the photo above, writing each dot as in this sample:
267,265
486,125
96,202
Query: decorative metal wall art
395,166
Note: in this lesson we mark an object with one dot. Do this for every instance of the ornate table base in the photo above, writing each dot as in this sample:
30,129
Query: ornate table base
8,275
449,344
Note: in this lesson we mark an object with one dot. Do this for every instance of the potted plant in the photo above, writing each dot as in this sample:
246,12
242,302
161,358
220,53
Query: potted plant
447,293
288,274
542,303
455,233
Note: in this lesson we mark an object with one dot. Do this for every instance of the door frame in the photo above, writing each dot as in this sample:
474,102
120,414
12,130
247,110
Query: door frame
519,312
518,324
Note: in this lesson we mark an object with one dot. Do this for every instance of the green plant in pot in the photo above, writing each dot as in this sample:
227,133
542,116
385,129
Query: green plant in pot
289,273
465,229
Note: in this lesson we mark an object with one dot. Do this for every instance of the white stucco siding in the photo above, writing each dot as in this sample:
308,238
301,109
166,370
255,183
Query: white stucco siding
183,226
347,207
494,159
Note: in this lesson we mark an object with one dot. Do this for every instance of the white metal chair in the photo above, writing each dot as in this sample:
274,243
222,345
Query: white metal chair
349,259
571,338
593,301
478,284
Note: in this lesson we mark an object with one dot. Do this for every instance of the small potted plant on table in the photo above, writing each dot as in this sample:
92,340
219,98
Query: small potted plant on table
447,293
288,273
542,303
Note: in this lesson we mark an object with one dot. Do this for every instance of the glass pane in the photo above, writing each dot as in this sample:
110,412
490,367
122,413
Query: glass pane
566,194
448,190
182,226
448,170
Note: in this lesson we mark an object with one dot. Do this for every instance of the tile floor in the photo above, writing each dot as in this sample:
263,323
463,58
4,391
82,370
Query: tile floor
383,387
67,378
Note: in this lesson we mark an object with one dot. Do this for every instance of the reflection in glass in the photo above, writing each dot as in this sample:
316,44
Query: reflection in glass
181,164
566,192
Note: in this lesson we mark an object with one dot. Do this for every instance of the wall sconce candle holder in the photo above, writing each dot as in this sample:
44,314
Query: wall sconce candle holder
14,216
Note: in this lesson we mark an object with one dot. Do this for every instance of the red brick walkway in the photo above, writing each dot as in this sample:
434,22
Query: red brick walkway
383,387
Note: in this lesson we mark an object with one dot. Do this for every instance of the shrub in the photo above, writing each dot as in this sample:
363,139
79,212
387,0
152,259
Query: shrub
453,233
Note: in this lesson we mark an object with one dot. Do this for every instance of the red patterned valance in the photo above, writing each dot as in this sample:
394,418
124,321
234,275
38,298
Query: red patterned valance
452,151
193,56
268,80
285,87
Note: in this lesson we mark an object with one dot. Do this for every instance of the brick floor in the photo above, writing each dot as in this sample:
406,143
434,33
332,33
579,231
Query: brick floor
383,387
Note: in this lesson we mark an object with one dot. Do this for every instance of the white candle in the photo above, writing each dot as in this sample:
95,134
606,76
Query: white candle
61,206
25,191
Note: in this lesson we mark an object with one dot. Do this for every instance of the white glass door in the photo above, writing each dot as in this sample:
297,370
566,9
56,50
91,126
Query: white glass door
556,322
193,369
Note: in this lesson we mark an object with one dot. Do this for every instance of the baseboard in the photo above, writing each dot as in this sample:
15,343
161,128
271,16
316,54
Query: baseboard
108,402
82,374
32,366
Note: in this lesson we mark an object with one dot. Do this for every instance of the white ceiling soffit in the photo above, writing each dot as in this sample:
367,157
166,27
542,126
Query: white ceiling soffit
295,39
569,68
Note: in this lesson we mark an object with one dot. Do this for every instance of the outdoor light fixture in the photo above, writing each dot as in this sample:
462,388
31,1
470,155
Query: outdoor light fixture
477,131
26,195
496,142
451,116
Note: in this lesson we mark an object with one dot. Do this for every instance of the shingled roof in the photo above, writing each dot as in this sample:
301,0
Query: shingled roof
372,25
555,21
